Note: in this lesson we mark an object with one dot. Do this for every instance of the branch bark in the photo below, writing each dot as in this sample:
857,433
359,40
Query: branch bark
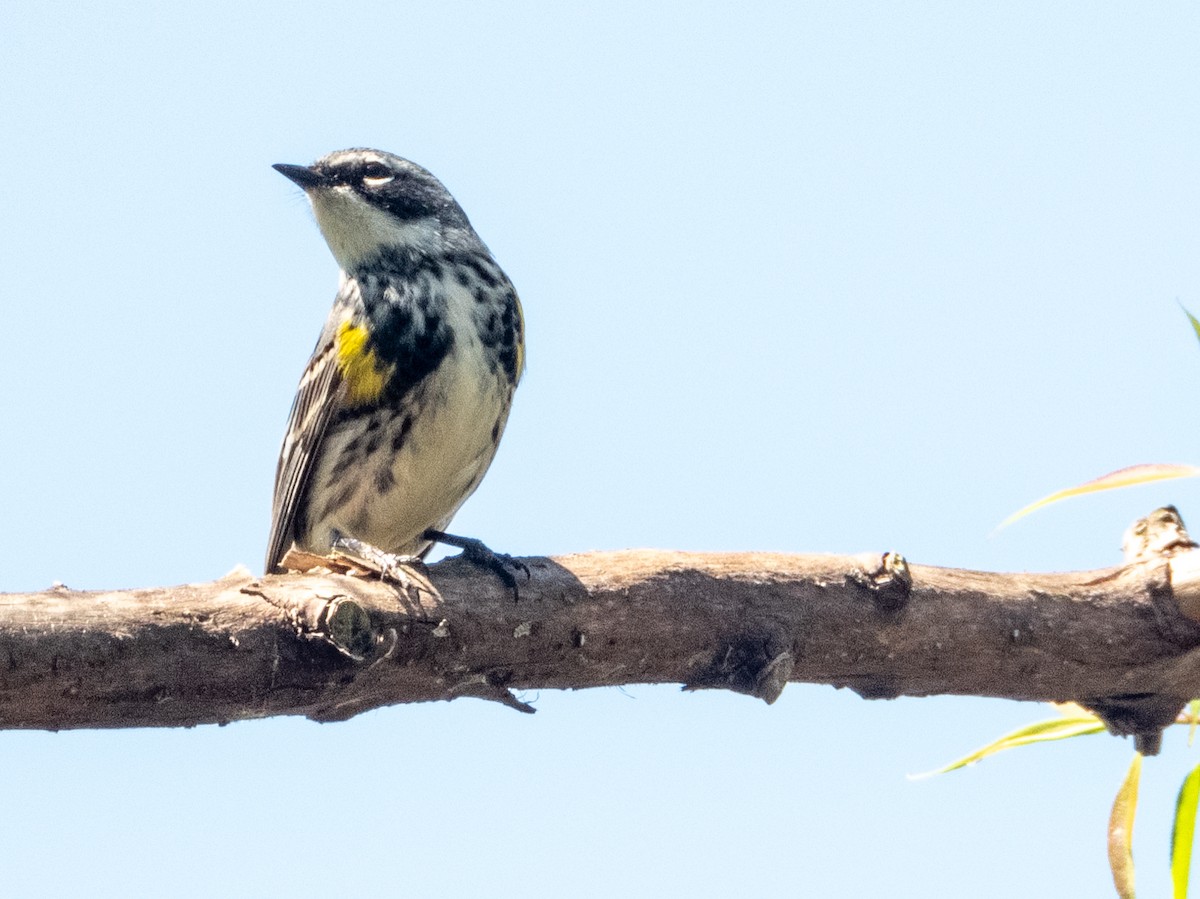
1125,640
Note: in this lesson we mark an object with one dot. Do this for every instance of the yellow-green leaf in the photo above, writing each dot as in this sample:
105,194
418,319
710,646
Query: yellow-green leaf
1071,710
1124,477
1039,732
1120,830
1183,831
1192,319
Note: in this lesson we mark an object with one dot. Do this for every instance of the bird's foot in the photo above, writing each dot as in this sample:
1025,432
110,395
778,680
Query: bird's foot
477,552
389,566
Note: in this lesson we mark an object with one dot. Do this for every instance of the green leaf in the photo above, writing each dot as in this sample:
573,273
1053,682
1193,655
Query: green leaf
1123,477
1183,832
1120,830
1075,725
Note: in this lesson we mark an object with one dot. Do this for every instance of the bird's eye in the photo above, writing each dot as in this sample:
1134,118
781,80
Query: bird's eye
376,174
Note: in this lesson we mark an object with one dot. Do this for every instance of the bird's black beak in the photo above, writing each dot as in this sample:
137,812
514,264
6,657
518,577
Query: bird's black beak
303,175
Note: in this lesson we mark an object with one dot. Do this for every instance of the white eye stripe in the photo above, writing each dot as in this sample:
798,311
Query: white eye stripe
378,181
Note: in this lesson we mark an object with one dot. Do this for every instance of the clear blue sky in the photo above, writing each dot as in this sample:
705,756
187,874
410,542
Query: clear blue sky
801,277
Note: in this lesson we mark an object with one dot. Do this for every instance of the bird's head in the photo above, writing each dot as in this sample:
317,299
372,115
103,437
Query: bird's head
368,203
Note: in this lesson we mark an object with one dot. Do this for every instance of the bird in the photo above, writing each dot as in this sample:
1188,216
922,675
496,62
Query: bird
402,405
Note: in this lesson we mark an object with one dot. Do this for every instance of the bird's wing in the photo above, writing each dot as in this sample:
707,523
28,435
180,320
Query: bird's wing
317,398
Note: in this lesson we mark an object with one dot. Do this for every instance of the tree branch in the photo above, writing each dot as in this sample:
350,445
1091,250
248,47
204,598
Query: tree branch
1122,640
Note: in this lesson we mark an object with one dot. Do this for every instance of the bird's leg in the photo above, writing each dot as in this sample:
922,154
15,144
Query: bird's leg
473,550
389,565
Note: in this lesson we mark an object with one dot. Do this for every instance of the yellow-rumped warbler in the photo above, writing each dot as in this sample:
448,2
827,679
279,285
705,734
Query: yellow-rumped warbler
401,407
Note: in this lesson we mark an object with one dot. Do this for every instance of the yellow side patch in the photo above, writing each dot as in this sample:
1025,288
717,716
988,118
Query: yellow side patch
520,339
365,377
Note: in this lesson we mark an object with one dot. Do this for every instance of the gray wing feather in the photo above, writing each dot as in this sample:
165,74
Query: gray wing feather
317,398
